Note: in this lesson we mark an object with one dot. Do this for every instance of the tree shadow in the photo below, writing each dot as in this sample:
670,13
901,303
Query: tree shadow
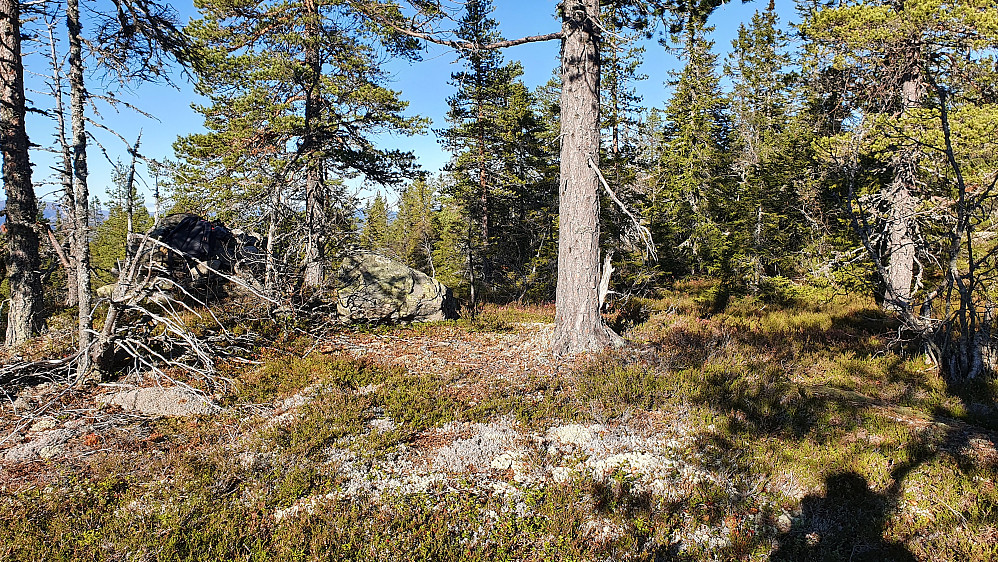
845,523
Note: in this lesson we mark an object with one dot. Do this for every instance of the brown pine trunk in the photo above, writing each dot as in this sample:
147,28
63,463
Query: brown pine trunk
81,194
24,314
578,324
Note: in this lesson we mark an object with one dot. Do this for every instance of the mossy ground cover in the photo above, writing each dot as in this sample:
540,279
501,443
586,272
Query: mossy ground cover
780,427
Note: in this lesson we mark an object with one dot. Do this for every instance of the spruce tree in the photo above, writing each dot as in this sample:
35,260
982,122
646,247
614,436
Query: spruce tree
126,213
450,252
374,235
621,104
770,153
621,114
414,232
473,136
500,166
689,208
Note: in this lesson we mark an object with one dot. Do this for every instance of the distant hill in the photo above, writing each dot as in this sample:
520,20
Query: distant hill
50,210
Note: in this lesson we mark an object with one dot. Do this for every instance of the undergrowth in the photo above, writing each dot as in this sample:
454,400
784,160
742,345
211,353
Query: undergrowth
826,443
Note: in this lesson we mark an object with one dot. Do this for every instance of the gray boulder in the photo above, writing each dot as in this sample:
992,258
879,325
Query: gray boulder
373,288
171,401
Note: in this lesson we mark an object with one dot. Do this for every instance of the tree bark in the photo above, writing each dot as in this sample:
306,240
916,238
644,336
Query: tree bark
314,201
129,199
270,275
81,194
902,203
579,327
24,315
67,223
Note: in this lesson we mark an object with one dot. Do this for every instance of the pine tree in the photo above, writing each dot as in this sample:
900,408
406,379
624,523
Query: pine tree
579,326
296,95
109,243
888,59
915,162
24,312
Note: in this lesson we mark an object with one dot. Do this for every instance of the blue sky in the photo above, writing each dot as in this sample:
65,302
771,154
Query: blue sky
423,84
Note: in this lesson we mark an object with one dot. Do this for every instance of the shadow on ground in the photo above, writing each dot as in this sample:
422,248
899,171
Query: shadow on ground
844,523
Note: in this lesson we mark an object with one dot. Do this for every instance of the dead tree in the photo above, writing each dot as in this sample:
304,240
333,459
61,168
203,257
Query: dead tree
148,315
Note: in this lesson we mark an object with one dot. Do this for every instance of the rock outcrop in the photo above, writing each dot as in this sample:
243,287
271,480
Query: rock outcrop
170,401
42,444
376,289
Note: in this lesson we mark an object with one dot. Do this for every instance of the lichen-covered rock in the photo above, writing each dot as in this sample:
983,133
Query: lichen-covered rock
373,288
171,401
44,444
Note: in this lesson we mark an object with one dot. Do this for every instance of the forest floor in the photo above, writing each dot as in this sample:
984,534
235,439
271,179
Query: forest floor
789,428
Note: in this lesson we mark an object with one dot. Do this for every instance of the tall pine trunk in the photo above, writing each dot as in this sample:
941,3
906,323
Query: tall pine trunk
24,314
579,327
81,194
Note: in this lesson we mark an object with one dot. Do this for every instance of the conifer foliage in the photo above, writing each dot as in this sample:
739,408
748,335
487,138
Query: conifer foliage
689,197
767,216
855,148
499,167
915,163
296,93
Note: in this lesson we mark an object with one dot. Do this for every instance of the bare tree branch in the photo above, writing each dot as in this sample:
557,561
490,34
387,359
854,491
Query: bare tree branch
642,230
460,45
